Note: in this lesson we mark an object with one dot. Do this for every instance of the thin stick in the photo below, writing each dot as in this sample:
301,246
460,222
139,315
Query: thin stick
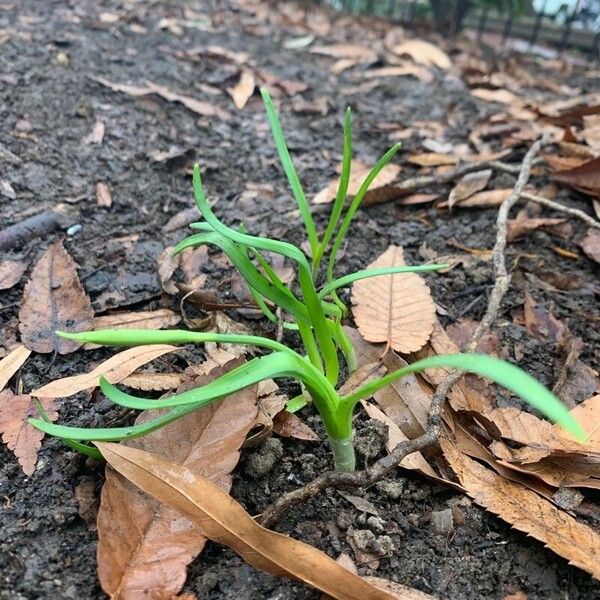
384,465
574,212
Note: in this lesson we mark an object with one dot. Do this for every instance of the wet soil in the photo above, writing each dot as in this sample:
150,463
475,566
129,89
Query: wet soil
50,53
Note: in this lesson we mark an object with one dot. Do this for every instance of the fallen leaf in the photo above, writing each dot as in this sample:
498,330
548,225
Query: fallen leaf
585,177
591,244
54,299
166,265
540,322
142,319
468,185
144,544
115,369
181,219
526,511
486,199
103,196
395,309
11,272
205,109
432,159
591,131
11,363
299,42
87,502
348,51
20,437
289,425
223,520
379,188
500,96
318,106
96,135
421,73
523,224
424,53
243,89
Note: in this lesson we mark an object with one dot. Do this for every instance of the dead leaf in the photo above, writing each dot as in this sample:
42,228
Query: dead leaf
591,131
526,511
115,369
421,73
289,425
468,185
379,188
349,51
486,199
222,519
585,177
205,109
87,502
144,544
591,244
21,438
10,364
395,309
243,90
500,96
103,196
318,106
96,135
523,224
540,322
11,272
432,159
142,319
54,299
166,265
424,53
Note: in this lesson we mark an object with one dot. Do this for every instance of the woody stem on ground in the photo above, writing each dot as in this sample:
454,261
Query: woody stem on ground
380,468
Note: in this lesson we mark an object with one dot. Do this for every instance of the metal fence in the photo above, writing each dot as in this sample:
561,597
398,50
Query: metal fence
544,26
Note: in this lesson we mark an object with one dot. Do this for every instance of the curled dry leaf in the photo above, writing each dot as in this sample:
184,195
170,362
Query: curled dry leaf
424,53
468,185
486,199
20,437
379,190
115,369
222,519
243,89
500,96
54,299
421,73
394,309
288,425
526,511
144,544
11,363
158,382
585,177
432,159
205,109
11,272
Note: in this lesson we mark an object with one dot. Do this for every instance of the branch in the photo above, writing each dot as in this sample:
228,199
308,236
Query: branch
384,465
574,212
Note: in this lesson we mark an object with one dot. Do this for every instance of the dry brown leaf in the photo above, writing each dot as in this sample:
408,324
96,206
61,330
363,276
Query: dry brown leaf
424,53
20,437
103,196
206,109
500,96
54,299
145,545
379,188
158,382
115,369
289,425
142,319
468,185
526,511
591,131
522,224
223,520
11,272
421,73
486,199
354,52
432,159
585,177
11,363
243,89
591,244
394,309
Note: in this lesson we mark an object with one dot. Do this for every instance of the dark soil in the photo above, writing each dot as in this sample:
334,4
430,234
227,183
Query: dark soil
48,104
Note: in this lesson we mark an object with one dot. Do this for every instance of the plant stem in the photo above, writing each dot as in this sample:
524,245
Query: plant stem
343,454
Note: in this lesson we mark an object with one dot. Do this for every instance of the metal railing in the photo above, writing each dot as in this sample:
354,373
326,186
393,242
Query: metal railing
557,24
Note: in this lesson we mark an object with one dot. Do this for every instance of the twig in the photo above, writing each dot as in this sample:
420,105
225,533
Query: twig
574,212
17,235
384,465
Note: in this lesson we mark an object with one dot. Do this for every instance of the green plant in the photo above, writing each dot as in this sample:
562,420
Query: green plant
316,314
